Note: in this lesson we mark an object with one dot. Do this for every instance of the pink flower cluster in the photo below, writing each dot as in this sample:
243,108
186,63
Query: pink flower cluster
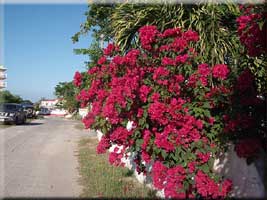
247,123
115,157
252,36
159,88
246,89
77,79
169,179
220,71
148,36
208,188
103,145
110,50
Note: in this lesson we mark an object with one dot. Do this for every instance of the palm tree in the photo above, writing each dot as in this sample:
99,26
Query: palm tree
128,18
215,24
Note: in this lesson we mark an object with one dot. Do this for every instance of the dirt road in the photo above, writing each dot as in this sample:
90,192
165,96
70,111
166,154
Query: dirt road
38,159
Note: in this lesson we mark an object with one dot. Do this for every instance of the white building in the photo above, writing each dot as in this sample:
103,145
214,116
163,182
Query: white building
3,77
49,103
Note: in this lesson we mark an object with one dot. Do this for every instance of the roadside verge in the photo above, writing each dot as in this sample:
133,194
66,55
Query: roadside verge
99,179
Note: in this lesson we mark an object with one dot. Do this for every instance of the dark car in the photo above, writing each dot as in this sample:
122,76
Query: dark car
12,113
44,111
29,109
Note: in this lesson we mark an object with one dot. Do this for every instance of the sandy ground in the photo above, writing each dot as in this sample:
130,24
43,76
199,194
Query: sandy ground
38,159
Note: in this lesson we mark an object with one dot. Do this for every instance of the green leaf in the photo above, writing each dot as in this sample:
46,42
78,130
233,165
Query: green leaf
139,142
261,23
205,168
186,185
164,154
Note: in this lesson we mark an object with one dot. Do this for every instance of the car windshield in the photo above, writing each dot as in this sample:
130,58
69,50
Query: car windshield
27,106
8,107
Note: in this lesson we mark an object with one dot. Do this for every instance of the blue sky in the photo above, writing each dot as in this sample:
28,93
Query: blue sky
38,51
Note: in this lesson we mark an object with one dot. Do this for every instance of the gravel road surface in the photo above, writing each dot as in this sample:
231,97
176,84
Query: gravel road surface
38,159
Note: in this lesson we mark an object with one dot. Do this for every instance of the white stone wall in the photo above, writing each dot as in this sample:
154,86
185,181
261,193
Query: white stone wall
247,179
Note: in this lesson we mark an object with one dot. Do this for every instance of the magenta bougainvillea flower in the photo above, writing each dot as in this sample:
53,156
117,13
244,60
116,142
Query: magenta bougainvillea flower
176,107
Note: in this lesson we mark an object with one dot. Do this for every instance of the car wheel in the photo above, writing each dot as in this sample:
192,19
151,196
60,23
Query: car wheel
24,120
17,121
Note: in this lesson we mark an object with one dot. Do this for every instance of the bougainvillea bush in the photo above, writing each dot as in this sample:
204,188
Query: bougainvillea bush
246,122
175,105
252,29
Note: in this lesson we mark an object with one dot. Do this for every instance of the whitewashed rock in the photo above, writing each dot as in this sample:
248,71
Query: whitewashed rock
128,160
129,125
83,112
99,134
160,194
247,179
113,146
140,177
68,116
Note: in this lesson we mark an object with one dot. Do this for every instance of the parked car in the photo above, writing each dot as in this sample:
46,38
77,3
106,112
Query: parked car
12,113
44,111
29,109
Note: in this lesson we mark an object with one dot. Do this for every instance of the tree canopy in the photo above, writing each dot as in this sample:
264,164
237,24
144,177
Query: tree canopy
215,23
8,97
66,92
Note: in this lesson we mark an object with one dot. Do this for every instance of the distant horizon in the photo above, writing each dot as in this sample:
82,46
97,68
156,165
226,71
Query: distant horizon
40,35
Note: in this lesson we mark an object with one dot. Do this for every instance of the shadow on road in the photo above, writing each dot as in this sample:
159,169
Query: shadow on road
31,124
26,124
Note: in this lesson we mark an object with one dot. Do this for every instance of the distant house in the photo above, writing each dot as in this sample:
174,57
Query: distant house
49,103
52,106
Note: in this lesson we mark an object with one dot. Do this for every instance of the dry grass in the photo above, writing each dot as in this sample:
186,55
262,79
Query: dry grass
4,126
79,126
101,180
